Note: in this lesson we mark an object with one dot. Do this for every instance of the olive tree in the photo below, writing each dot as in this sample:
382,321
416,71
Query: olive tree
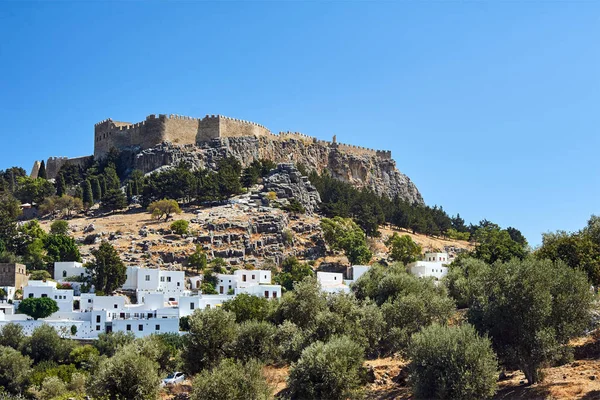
329,370
452,363
531,309
14,369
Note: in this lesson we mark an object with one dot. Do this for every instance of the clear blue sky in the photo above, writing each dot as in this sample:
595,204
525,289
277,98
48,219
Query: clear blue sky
491,109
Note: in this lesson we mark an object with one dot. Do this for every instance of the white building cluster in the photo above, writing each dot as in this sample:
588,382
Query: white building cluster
161,299
434,265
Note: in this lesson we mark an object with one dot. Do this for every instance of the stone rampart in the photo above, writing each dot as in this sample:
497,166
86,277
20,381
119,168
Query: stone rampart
54,164
184,130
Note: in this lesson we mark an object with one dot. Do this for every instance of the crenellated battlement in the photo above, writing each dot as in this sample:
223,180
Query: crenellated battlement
184,130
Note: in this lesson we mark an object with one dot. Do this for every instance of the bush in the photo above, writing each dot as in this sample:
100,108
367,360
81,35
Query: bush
39,275
38,307
46,345
14,369
452,363
210,338
59,227
247,307
165,208
109,343
232,380
180,227
127,375
256,339
12,335
329,370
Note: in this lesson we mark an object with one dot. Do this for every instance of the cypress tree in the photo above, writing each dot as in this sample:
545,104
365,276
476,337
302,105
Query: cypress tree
102,186
136,188
88,195
129,193
61,186
79,192
42,172
96,189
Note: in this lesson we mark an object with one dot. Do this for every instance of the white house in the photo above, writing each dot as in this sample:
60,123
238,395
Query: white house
332,282
38,289
151,280
434,265
189,304
254,282
69,269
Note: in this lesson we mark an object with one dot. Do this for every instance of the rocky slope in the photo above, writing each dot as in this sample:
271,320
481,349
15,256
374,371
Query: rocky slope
362,170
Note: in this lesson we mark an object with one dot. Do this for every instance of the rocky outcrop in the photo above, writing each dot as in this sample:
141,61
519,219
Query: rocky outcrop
288,183
361,170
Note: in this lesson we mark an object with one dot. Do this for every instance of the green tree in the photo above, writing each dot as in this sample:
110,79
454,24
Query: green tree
256,340
531,309
306,295
232,380
42,171
59,227
12,335
228,176
14,370
46,345
180,227
247,307
96,189
109,343
112,179
344,234
452,363
114,199
107,271
198,259
165,208
61,185
495,244
292,271
61,248
210,338
33,190
88,194
10,205
403,249
38,307
127,375
466,280
329,370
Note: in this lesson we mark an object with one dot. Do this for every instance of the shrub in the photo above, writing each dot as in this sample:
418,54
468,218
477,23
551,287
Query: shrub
256,339
165,208
38,307
109,343
59,227
232,380
127,375
210,338
46,345
247,307
14,369
452,363
12,335
180,227
40,275
329,370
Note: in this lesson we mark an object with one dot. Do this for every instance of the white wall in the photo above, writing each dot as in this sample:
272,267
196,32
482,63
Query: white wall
423,269
65,269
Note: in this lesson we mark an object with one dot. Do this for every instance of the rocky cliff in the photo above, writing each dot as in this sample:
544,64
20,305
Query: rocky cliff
361,170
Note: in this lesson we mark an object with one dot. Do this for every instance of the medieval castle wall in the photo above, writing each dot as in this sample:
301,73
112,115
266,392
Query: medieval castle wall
187,130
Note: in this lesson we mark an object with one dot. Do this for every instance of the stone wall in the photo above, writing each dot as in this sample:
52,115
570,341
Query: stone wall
54,164
13,275
183,130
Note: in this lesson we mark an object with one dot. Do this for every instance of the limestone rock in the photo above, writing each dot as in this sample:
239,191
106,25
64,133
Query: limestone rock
288,183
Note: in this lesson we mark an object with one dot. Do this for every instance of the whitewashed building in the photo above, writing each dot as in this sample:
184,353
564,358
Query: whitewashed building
332,282
69,269
434,265
38,289
254,282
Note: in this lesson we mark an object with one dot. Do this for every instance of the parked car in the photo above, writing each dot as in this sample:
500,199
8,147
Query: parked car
173,379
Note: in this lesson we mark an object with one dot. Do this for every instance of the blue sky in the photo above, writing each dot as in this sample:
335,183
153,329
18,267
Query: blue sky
490,108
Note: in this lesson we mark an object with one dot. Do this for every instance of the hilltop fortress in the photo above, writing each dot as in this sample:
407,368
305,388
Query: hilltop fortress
162,140
183,130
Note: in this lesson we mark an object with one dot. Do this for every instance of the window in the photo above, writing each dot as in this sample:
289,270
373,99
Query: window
128,327
97,327
147,278
30,295
44,295
97,318
265,277
89,300
253,277
191,306
266,294
168,279
221,289
162,278
157,328
244,278
116,306
55,297
274,295
178,284
64,274
140,327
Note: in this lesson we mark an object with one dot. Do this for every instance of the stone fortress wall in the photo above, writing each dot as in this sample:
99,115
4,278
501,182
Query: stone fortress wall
187,130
